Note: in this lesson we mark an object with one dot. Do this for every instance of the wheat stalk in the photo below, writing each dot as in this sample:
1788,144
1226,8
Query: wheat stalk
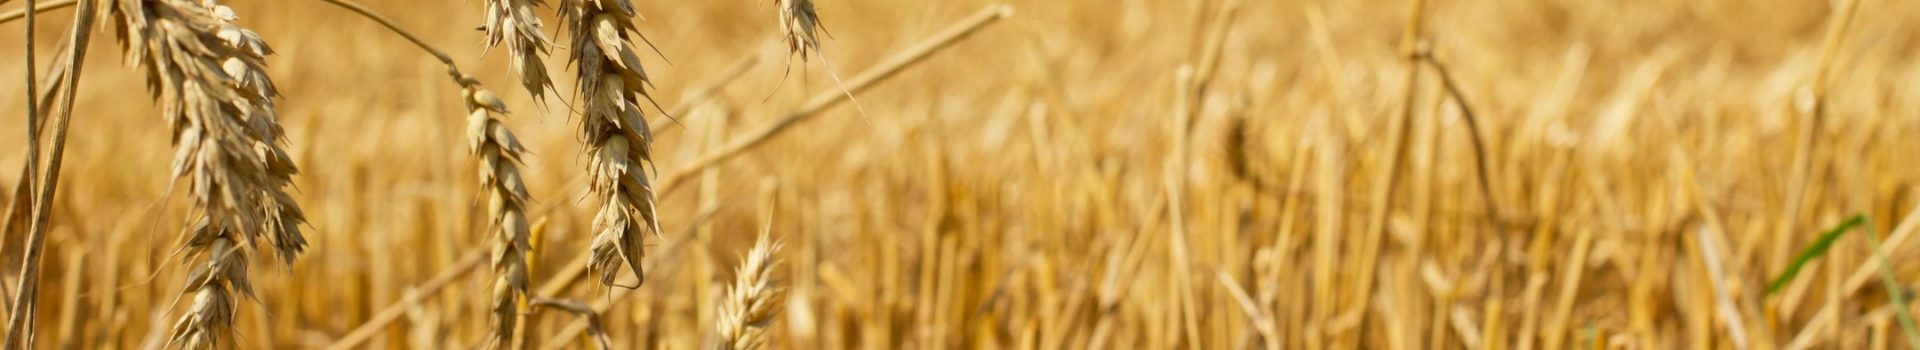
611,86
65,79
513,22
207,75
751,302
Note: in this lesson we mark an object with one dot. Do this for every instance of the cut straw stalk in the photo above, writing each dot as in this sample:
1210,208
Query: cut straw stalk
1389,180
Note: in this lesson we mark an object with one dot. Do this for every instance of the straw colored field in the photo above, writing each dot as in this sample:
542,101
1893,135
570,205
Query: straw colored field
1048,182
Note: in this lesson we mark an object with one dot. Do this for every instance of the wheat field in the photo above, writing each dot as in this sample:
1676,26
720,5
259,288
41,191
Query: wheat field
1015,174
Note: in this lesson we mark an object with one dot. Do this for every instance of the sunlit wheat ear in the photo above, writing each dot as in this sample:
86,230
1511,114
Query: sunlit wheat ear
514,23
612,87
753,299
498,153
801,25
208,76
212,285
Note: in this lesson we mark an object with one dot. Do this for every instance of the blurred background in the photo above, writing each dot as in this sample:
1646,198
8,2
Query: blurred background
1029,186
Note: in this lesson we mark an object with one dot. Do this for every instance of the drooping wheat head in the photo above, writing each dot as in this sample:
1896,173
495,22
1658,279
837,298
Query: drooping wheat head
801,26
208,76
499,153
611,88
514,23
753,299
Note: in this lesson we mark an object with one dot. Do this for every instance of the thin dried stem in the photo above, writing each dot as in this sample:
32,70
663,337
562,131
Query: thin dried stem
820,102
23,307
601,339
1473,132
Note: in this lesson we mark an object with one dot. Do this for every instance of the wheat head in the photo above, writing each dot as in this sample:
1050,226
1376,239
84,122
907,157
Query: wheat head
514,23
801,25
208,76
499,155
611,86
752,300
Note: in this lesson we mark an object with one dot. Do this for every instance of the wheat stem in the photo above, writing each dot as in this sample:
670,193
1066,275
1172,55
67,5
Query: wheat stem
1473,132
23,308
820,102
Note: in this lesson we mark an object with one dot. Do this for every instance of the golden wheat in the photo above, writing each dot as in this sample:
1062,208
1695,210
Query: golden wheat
753,299
207,74
611,86
499,153
514,23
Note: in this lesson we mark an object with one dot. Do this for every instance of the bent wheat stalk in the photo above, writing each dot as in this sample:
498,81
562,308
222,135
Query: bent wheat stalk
611,86
498,152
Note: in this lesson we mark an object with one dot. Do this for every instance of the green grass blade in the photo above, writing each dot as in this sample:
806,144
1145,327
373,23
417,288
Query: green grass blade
1893,291
1814,251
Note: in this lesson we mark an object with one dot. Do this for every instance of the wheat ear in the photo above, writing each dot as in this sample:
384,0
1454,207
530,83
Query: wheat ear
611,87
802,27
514,23
753,299
499,153
208,76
